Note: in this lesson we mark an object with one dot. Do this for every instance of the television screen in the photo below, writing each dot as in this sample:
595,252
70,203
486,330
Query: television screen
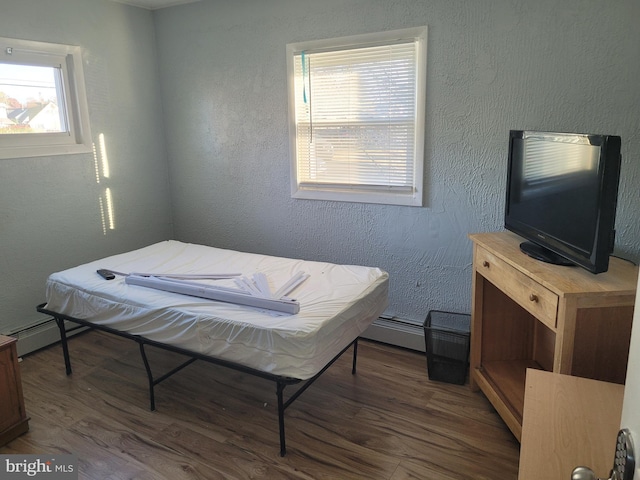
562,195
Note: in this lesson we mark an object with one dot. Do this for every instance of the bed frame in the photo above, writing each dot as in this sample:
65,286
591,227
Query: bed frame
280,381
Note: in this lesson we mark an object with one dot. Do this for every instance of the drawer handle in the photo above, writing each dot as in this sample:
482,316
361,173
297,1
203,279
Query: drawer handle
533,297
485,264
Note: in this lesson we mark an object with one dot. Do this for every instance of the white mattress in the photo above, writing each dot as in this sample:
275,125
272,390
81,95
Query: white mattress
337,303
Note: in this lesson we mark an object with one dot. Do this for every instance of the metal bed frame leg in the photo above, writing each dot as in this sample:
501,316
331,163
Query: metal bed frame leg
152,398
65,346
154,381
355,356
281,407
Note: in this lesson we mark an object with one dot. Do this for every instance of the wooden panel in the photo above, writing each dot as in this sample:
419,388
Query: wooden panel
13,419
568,421
510,378
544,346
10,403
563,354
507,329
601,346
508,415
532,296
477,286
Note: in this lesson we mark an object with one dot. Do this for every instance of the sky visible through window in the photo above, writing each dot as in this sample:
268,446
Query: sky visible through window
26,82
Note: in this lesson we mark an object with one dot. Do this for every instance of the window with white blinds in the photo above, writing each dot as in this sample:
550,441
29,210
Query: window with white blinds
356,107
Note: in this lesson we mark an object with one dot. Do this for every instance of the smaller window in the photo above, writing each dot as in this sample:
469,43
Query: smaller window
43,105
356,117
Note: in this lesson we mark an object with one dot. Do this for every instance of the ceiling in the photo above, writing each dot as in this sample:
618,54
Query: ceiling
154,4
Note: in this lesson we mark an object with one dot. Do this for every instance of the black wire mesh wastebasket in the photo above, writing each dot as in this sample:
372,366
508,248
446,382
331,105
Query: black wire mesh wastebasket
447,337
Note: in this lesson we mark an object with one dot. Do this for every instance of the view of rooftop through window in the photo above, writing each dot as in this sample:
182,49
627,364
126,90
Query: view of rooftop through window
30,99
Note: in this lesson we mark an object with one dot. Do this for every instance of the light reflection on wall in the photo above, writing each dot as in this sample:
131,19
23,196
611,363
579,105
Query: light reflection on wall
105,158
105,199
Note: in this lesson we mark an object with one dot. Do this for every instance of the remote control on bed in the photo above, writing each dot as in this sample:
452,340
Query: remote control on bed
106,274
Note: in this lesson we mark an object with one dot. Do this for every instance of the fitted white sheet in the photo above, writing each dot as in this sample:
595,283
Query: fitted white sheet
337,303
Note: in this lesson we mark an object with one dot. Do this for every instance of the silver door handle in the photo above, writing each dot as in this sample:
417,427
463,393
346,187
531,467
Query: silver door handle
583,473
624,463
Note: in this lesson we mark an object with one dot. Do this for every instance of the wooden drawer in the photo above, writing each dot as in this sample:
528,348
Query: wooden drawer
530,295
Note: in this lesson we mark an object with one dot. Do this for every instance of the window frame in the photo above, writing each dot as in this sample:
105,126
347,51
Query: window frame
68,58
354,192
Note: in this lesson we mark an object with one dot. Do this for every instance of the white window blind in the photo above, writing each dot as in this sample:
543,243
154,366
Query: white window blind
358,118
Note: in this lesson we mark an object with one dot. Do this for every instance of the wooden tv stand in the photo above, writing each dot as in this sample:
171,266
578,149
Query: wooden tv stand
530,314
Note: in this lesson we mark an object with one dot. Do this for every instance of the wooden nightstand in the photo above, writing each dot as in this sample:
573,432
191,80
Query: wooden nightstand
530,314
13,417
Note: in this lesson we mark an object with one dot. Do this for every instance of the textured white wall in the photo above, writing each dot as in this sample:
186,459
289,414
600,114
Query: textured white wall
49,209
493,66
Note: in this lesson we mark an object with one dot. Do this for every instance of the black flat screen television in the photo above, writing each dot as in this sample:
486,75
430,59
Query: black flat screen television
562,191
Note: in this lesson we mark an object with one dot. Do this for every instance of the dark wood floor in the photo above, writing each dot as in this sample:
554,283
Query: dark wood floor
389,421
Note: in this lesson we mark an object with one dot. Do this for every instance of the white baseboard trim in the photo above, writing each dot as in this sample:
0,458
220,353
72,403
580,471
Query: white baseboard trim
40,336
397,332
